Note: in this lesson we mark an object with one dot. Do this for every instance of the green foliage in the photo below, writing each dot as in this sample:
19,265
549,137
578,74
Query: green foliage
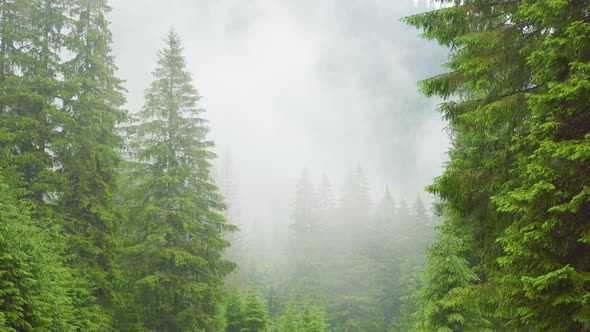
303,317
51,157
173,241
515,192
447,303
234,317
291,319
88,158
255,314
36,287
29,88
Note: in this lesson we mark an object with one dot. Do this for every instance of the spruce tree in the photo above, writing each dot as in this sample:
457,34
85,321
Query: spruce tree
355,199
448,303
326,201
314,319
291,319
255,313
516,186
305,226
87,157
173,244
31,43
305,212
36,117
385,210
234,318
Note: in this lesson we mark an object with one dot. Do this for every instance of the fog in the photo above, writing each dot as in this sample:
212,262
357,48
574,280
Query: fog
308,133
288,85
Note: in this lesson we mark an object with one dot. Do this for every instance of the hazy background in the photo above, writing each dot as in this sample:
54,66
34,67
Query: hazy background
289,84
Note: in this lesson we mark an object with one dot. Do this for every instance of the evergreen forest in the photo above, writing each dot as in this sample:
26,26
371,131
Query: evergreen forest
123,217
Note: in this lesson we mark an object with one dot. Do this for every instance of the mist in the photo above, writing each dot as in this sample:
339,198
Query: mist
268,165
289,85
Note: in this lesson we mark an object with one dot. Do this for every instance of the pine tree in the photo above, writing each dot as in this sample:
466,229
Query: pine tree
516,185
355,198
174,245
291,319
326,201
255,313
305,209
31,40
314,319
37,116
385,210
355,210
448,303
87,156
304,227
234,318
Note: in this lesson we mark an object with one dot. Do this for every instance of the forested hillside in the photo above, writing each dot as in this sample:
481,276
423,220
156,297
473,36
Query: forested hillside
126,220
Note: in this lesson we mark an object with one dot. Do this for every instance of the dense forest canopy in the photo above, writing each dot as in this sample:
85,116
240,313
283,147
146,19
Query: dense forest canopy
126,220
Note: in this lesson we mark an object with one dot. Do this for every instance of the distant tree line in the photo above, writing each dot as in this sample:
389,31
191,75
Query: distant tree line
341,263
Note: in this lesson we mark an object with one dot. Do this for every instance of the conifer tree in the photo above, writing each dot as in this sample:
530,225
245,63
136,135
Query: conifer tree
173,247
355,198
305,225
303,317
291,319
385,210
38,292
326,201
516,186
36,112
255,313
305,209
31,40
314,319
355,209
234,318
88,158
448,303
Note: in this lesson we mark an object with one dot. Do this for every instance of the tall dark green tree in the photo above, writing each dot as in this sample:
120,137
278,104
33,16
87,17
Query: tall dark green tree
173,245
88,158
31,40
516,188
